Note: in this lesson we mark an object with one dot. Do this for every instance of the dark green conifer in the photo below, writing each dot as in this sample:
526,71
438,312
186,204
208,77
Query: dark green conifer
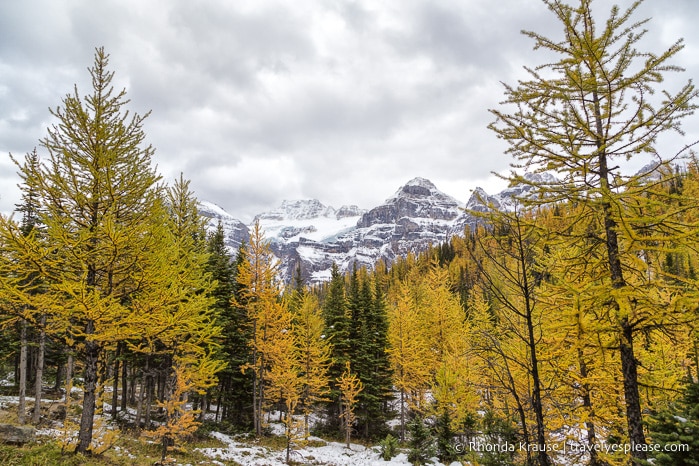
235,387
421,442
677,428
337,325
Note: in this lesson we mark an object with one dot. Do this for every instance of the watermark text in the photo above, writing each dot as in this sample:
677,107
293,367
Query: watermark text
565,447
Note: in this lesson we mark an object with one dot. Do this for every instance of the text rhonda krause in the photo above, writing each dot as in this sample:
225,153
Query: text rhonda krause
625,448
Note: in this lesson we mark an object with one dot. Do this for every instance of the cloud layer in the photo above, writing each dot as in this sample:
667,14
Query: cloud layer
261,101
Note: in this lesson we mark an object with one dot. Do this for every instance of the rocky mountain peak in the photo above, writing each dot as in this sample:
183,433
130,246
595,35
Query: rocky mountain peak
479,200
316,236
417,188
417,199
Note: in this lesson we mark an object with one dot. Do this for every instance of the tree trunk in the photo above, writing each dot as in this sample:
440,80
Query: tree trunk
69,377
168,388
587,404
150,388
124,386
59,374
89,395
348,428
529,304
402,415
218,402
518,402
536,398
39,370
256,405
141,396
204,400
629,372
22,408
115,386
132,385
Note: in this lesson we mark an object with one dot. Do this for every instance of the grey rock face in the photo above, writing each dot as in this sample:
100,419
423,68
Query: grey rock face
236,232
314,236
16,434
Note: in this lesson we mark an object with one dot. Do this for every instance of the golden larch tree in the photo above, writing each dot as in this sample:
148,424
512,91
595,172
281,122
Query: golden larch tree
97,189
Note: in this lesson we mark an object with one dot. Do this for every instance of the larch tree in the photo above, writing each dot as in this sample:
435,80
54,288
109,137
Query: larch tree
444,319
350,387
97,189
313,351
28,281
173,317
260,294
577,343
582,116
408,353
283,375
510,273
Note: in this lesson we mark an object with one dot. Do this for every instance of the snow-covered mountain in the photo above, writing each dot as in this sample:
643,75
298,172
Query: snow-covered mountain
234,230
314,235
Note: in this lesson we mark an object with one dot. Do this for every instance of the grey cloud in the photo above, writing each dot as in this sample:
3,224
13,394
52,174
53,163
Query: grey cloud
340,100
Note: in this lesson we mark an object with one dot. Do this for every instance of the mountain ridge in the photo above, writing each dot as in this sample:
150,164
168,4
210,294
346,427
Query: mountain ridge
308,233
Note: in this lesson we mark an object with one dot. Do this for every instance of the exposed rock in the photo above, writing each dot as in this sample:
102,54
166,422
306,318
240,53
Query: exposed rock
16,434
314,235
348,211
235,231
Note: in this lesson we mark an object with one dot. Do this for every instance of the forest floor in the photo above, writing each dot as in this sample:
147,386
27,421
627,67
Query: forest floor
52,447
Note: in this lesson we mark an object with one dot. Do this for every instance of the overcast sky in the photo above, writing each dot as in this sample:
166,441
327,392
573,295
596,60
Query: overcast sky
262,100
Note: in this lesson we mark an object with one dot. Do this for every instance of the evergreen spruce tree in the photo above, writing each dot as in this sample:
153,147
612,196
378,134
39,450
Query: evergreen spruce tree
677,428
238,388
421,442
445,438
220,267
369,340
379,375
337,329
235,388
498,431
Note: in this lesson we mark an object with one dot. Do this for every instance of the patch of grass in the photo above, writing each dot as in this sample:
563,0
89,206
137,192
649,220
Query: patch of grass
316,443
273,442
129,451
46,454
9,416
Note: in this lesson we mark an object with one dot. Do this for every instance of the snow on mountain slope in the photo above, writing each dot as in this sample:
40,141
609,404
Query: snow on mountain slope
234,230
314,236
308,219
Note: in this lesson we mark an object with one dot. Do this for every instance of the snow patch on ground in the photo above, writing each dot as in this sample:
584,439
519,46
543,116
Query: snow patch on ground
330,454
